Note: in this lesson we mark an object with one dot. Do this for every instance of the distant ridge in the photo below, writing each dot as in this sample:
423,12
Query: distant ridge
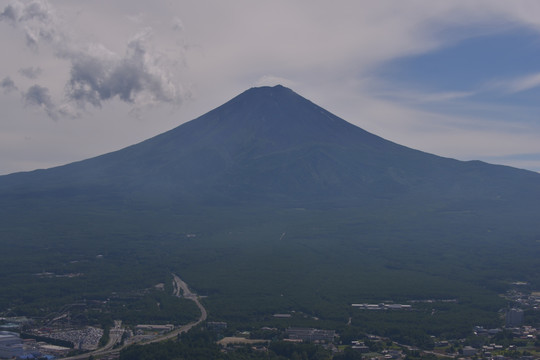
270,145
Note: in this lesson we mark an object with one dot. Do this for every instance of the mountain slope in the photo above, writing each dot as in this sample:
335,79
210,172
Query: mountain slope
270,144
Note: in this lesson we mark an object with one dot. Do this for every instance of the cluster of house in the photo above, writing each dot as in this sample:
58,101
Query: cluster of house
154,328
387,354
524,299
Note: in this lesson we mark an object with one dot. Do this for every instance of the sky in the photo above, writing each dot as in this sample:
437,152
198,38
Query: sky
459,79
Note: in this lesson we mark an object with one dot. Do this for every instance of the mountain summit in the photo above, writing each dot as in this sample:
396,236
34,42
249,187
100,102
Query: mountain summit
270,144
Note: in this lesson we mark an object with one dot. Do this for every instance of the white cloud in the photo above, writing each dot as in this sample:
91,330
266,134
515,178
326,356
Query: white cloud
410,95
35,18
523,83
270,80
138,77
31,72
39,97
142,76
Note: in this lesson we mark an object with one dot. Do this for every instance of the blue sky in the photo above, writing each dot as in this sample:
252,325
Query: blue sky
470,63
483,76
458,79
483,66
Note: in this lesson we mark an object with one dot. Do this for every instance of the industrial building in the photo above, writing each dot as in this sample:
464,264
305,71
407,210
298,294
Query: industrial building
11,345
311,335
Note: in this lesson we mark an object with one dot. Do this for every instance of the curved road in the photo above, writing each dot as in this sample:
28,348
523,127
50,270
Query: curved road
115,335
186,293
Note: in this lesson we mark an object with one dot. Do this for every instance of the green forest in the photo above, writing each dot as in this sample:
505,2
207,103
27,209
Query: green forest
249,265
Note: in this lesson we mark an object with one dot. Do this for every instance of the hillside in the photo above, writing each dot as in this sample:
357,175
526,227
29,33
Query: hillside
270,144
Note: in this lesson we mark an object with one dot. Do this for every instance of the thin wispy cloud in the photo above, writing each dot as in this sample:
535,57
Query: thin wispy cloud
523,83
417,97
271,80
39,97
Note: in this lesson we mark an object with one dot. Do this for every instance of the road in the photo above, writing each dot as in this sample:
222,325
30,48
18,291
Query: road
412,348
179,284
115,335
